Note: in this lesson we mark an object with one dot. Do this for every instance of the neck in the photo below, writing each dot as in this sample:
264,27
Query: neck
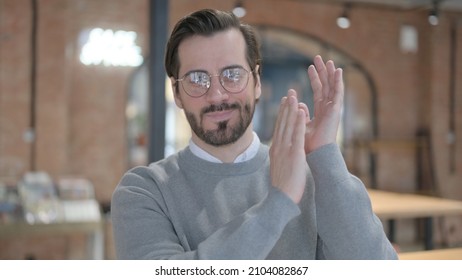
227,153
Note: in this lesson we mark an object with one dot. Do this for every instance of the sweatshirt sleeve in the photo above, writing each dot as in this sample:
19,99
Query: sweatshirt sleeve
253,234
347,226
146,231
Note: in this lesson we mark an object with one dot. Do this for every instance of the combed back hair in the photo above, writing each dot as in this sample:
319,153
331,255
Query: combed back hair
206,23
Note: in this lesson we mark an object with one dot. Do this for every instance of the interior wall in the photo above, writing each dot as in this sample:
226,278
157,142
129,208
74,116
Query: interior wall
80,113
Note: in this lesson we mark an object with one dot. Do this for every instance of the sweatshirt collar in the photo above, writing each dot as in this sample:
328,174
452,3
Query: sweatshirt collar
248,154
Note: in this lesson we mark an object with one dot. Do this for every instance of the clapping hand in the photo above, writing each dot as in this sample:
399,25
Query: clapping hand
327,85
296,134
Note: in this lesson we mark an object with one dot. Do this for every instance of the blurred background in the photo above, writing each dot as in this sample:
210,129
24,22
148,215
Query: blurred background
84,97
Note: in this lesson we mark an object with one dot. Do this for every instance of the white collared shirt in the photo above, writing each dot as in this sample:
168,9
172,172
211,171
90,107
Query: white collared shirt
248,154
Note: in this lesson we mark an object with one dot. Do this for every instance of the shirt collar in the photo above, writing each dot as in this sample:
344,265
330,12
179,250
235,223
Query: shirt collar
248,154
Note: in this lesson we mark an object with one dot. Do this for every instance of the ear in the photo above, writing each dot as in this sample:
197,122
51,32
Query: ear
257,84
176,94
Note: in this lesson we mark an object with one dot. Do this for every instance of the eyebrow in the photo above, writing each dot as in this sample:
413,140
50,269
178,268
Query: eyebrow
231,66
220,70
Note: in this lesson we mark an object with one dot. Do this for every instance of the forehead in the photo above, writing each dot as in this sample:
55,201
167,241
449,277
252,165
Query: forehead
212,53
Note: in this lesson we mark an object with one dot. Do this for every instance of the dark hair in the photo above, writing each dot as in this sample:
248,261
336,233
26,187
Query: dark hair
207,22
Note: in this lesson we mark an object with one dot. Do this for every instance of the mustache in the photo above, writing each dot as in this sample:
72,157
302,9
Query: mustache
221,107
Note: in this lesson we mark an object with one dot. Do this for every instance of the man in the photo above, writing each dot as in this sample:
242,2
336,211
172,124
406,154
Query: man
226,195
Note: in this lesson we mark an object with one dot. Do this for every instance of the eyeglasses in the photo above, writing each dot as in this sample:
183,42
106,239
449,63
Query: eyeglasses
233,79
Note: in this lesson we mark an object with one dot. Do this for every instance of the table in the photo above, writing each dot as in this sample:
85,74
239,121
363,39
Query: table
392,205
440,254
93,229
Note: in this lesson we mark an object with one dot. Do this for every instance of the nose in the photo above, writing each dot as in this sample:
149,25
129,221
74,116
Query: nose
216,93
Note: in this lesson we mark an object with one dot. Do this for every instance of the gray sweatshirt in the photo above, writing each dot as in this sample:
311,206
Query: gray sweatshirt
183,207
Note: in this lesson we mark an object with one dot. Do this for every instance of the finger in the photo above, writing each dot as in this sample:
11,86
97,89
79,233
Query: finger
302,106
339,86
317,88
323,75
315,82
289,125
292,92
299,134
331,79
277,128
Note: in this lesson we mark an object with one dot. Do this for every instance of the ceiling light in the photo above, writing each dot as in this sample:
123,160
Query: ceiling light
239,9
433,14
343,21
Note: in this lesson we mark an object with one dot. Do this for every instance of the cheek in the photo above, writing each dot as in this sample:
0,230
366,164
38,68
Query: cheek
257,88
190,107
178,101
252,99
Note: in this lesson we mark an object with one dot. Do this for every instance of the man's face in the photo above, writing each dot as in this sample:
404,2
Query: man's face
219,117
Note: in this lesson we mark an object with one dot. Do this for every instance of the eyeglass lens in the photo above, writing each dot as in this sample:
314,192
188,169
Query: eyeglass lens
197,83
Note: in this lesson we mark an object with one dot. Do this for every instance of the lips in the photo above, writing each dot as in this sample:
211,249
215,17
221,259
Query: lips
218,113
221,107
219,116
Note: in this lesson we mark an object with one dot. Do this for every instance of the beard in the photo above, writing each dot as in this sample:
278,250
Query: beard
225,133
